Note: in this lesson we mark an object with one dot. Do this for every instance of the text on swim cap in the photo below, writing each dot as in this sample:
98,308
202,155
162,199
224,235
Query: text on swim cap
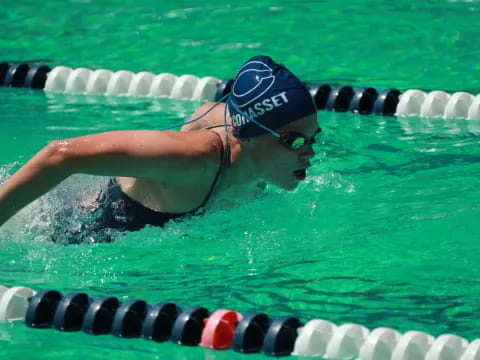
260,108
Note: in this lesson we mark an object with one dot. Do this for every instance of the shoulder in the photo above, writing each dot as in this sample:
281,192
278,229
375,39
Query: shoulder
204,142
205,107
212,118
198,155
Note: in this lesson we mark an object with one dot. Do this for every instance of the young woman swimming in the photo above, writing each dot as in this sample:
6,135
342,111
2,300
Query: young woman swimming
264,132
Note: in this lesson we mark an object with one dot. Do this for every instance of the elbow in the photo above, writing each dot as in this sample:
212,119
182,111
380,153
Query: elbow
56,154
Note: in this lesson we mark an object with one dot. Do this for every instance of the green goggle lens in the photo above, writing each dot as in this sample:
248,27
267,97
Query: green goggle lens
294,140
298,142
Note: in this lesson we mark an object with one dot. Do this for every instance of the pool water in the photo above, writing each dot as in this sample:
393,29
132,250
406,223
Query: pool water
383,232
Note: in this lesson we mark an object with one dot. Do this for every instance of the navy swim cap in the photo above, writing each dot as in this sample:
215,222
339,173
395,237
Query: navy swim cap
268,93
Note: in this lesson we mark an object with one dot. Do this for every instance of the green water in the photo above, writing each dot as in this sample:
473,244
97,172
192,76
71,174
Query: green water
384,232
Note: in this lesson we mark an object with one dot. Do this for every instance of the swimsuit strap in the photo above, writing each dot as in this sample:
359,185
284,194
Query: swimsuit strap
224,163
217,126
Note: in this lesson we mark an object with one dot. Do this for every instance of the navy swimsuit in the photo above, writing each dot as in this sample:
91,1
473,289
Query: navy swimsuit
115,210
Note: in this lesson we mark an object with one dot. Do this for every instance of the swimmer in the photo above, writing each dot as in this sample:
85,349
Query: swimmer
264,132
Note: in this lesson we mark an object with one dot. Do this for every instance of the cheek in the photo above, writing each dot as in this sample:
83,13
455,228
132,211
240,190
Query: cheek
277,160
281,165
280,159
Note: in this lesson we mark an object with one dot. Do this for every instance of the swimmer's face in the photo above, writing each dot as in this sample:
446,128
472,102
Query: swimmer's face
286,167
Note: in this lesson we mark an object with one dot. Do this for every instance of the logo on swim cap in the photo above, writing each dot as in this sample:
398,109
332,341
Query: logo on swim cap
266,95
260,71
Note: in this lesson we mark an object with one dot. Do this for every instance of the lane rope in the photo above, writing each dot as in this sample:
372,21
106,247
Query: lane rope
363,100
225,328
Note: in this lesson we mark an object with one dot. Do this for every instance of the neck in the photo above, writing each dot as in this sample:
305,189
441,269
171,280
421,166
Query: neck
243,169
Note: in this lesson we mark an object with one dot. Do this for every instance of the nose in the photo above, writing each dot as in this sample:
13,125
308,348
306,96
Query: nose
307,153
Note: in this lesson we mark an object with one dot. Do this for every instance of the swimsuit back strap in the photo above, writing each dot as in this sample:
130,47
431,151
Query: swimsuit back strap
224,162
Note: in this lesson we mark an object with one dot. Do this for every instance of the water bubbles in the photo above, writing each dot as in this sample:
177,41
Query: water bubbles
5,171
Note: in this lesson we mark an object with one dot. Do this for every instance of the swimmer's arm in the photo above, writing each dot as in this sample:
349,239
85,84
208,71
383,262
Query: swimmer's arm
35,178
165,156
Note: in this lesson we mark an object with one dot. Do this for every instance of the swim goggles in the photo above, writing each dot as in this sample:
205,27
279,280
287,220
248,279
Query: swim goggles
293,140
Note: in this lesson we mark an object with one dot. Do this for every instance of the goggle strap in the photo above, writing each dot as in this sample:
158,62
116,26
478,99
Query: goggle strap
273,132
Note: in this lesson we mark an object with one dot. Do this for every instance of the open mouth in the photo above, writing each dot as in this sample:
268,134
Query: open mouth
300,174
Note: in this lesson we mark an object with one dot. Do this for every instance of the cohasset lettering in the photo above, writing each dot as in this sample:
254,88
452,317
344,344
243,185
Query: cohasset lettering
260,108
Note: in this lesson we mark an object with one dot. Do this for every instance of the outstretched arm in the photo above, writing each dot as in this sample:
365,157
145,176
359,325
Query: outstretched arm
143,154
39,175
